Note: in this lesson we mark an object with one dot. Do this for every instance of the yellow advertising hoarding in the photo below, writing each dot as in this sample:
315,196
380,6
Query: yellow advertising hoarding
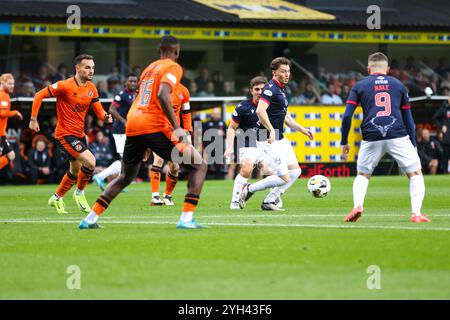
266,9
325,122
196,33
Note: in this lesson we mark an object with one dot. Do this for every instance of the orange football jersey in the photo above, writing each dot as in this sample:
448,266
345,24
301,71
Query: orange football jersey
180,97
146,114
5,113
72,104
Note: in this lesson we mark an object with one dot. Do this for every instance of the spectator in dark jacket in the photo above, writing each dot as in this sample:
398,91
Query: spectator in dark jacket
102,152
39,163
442,121
430,151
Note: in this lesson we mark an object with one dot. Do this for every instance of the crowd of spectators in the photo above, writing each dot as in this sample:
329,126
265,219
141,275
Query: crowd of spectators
315,87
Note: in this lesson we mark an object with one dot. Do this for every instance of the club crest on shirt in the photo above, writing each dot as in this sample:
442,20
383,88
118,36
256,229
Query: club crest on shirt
268,93
91,93
78,147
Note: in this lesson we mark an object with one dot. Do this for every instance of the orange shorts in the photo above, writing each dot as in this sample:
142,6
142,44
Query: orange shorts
72,146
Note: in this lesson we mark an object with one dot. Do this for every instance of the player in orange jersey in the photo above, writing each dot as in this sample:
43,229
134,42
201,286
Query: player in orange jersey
180,101
6,88
152,124
74,97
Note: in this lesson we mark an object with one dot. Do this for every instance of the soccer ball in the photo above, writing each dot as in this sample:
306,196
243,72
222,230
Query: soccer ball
319,186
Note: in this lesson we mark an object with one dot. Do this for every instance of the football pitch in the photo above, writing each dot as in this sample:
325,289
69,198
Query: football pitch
305,252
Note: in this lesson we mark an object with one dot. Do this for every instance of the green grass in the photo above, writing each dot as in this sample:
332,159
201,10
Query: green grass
306,252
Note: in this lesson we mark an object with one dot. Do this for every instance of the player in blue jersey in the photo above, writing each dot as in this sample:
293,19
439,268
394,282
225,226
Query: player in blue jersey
244,125
387,127
119,109
278,153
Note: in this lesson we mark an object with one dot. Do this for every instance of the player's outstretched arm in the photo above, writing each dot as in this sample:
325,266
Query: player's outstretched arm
409,124
165,101
346,125
291,123
231,133
166,104
116,115
100,112
10,114
37,103
263,117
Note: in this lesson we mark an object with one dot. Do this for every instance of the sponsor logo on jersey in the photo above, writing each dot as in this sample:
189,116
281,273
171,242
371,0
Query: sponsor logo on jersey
74,143
268,93
381,80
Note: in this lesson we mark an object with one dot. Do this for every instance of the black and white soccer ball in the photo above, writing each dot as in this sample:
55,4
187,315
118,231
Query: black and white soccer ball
319,186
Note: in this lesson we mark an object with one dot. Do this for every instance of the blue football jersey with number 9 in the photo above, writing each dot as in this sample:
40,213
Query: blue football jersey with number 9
382,99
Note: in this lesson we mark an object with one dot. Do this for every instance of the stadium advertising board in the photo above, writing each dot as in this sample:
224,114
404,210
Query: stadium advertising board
195,33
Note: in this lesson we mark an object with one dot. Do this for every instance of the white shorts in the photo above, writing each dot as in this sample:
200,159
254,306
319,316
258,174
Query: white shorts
401,149
252,153
278,155
119,140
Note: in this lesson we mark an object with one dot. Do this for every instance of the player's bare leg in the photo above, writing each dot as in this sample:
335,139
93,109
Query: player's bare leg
171,182
360,185
6,159
155,179
417,192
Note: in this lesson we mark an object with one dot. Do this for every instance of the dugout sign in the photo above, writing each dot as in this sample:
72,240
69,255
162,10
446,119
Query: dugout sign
193,33
266,9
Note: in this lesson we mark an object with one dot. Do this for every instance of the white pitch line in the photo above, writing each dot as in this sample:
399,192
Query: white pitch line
229,216
269,215
291,225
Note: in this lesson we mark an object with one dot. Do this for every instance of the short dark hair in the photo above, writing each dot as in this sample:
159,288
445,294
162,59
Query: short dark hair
257,80
166,43
377,57
82,57
277,62
132,74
